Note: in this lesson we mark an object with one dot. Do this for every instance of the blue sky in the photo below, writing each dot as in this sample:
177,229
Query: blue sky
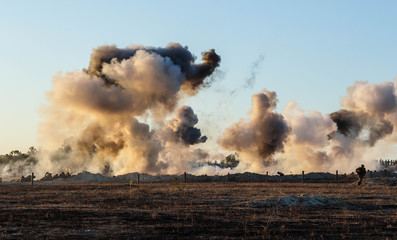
313,50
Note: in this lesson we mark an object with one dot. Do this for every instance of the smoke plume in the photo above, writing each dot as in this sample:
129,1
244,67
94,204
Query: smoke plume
352,133
179,56
97,112
262,135
250,81
182,126
356,124
309,140
371,98
307,144
100,117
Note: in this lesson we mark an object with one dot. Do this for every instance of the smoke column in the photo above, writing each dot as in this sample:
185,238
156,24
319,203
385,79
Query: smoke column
177,137
261,136
314,141
97,111
182,127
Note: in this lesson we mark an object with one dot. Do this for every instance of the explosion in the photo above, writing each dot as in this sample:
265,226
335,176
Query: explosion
99,117
297,140
97,111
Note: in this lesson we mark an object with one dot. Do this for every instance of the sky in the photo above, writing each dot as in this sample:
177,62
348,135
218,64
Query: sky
311,50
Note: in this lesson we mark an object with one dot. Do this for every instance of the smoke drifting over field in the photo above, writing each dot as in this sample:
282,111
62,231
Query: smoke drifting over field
122,113
352,133
298,140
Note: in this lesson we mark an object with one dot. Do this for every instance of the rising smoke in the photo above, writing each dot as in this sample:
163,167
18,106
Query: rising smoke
367,120
316,141
261,136
194,74
98,116
250,81
182,127
96,111
366,128
375,99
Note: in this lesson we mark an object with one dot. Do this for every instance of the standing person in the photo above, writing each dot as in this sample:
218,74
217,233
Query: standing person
361,171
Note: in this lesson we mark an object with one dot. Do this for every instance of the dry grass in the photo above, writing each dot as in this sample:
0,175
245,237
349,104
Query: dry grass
194,210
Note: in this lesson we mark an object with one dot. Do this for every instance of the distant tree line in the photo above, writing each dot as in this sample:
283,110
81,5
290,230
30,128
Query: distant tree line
387,162
231,161
16,156
15,162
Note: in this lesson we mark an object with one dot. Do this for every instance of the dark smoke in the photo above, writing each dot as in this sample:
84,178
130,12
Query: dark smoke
192,135
276,127
181,56
354,124
182,126
93,140
198,72
348,122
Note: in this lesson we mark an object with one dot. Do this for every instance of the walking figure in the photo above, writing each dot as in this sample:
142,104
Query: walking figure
361,171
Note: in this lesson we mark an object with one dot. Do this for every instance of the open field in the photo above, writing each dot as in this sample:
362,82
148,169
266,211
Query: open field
195,210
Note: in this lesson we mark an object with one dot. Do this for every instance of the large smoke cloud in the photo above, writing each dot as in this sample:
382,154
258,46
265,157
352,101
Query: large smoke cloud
180,56
356,124
262,135
101,114
371,112
351,133
97,111
371,98
312,141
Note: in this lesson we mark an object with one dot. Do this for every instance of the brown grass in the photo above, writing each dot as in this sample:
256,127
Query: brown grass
194,210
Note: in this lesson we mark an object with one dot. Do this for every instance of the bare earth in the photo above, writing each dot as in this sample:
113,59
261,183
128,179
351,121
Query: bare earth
195,210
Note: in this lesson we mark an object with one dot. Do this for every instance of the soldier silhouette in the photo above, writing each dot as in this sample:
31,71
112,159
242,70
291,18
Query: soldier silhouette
361,171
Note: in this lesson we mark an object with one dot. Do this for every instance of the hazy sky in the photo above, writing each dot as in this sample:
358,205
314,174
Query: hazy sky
312,51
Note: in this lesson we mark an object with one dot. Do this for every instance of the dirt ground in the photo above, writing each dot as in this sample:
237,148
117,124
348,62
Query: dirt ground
194,211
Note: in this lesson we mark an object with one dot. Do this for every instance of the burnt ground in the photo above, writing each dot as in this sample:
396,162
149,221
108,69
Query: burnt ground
194,211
